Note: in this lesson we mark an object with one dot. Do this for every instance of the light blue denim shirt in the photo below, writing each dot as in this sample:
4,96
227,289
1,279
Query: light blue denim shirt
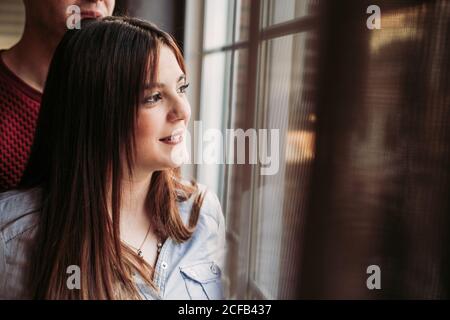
191,270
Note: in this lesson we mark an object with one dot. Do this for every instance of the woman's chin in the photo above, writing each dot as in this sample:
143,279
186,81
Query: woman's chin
168,165
178,156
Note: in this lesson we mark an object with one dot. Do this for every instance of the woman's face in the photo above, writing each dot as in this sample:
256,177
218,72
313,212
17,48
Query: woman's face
164,112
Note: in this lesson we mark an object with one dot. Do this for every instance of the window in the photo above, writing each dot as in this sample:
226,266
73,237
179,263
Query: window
285,97
257,72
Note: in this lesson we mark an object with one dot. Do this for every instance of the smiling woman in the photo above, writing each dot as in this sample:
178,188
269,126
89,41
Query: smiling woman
164,114
101,191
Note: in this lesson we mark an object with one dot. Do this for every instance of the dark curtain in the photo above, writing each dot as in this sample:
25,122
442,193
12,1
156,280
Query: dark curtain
166,14
381,176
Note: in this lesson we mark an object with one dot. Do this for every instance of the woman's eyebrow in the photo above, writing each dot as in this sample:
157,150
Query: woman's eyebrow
162,85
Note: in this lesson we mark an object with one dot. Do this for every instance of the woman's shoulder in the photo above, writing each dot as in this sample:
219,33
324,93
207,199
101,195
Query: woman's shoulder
18,224
210,208
18,210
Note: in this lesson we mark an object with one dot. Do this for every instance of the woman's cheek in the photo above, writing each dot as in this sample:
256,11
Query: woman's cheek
146,131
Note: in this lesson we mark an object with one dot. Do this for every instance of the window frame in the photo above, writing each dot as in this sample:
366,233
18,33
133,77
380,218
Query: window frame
257,35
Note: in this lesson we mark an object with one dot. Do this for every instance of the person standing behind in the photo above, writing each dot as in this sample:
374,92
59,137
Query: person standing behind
23,71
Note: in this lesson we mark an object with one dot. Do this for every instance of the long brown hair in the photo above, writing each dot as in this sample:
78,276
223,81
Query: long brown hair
86,125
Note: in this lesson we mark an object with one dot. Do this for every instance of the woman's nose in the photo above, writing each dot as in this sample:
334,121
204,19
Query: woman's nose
180,110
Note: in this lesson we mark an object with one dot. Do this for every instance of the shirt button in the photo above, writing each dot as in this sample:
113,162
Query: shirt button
164,265
213,268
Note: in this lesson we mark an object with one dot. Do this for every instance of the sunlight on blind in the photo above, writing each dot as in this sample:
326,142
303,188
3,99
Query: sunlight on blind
12,20
281,201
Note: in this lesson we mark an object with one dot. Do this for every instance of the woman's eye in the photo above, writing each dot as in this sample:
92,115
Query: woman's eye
154,98
183,88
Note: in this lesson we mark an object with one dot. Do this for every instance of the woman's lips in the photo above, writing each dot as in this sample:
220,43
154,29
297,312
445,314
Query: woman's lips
173,140
175,137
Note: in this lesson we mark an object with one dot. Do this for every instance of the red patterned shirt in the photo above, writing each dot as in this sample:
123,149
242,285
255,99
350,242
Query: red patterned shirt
19,108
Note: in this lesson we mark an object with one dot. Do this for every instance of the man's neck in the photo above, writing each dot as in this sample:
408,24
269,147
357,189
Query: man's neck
30,58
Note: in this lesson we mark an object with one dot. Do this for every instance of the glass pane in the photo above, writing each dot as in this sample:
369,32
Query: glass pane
218,29
276,11
208,132
242,19
237,117
237,199
287,94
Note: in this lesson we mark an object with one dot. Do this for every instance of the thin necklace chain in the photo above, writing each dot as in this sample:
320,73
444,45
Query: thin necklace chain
139,250
146,235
